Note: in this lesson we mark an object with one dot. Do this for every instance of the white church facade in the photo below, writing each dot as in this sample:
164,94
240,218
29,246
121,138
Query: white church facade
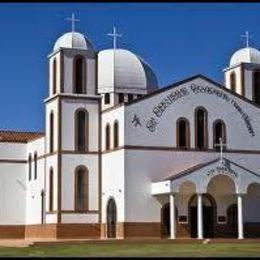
122,158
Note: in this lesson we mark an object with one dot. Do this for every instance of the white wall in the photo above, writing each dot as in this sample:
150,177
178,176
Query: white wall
113,183
35,186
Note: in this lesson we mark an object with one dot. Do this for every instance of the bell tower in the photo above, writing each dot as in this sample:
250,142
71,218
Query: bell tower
72,133
243,74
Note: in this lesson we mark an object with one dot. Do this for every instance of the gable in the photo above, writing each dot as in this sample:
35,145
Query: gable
157,113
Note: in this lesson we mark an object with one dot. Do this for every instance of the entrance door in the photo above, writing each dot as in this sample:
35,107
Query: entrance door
232,219
208,216
111,219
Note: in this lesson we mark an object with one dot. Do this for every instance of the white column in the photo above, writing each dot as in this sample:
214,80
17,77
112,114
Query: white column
200,217
240,217
172,217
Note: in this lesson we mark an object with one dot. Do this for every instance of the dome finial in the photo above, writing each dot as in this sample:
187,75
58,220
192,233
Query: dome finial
72,20
247,36
114,35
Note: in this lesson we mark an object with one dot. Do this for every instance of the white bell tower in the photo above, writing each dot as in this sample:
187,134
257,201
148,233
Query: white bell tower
73,134
243,74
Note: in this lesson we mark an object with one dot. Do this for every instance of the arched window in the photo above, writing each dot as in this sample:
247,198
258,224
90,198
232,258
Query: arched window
183,133
51,132
30,167
233,81
121,97
219,131
35,165
116,134
54,76
107,137
256,87
51,186
107,98
81,130
201,128
81,189
79,75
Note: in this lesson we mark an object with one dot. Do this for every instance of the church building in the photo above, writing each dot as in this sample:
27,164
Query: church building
122,157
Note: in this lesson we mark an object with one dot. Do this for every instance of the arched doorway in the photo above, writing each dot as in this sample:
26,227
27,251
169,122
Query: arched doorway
209,215
232,220
165,219
111,218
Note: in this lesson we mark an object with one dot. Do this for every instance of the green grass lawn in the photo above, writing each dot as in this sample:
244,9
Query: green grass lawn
137,249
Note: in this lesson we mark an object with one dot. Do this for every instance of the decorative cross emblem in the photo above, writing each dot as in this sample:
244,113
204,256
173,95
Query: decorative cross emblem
115,35
136,121
72,20
221,145
247,36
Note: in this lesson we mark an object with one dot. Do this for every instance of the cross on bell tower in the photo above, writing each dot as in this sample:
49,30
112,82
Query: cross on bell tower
115,35
72,19
247,36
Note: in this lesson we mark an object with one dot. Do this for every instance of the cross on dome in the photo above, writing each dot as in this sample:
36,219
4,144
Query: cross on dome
115,35
247,36
72,19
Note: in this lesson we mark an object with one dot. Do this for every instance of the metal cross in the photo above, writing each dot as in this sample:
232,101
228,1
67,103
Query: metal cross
72,20
247,36
221,145
114,35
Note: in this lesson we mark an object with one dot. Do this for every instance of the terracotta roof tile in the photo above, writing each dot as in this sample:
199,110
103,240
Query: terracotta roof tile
19,136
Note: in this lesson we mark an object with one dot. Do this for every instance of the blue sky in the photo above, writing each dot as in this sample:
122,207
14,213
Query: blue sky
177,40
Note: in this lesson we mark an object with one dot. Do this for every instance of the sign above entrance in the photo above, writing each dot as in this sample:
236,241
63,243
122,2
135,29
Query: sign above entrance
223,169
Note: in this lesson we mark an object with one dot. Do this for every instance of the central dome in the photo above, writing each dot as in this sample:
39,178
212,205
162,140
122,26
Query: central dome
121,70
247,55
73,40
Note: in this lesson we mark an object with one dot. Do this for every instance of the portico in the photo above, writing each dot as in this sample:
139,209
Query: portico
209,198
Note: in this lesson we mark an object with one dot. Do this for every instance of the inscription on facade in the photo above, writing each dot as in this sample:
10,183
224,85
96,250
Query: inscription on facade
221,170
158,110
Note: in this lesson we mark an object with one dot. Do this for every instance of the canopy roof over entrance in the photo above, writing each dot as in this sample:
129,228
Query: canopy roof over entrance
200,175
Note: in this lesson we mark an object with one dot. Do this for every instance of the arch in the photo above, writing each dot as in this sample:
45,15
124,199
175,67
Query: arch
35,165
253,187
165,219
107,138
30,167
256,87
201,128
221,184
81,126
219,131
183,133
51,132
187,187
51,187
81,188
209,215
54,76
107,99
116,134
111,218
233,81
79,74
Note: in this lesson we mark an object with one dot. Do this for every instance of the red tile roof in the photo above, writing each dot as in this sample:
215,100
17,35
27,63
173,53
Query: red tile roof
18,136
